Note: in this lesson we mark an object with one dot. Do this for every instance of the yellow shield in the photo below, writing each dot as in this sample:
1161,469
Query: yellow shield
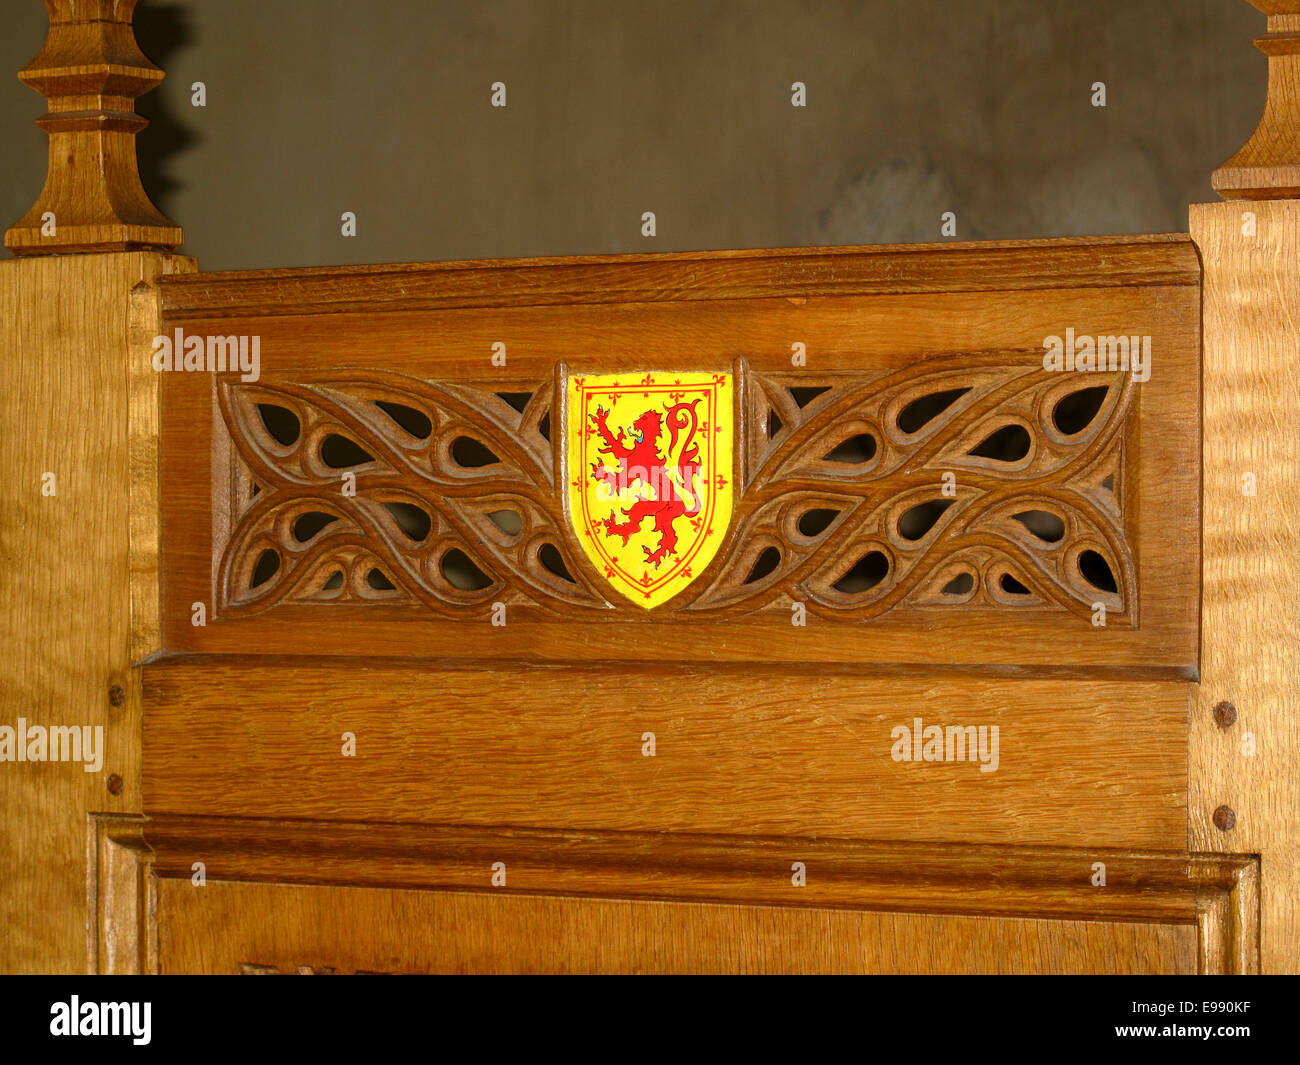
651,472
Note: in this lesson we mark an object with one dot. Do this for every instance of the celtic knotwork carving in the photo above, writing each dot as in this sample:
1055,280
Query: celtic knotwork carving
959,483
977,481
387,488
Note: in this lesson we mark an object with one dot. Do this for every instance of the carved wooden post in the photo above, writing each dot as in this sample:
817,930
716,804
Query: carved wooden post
1244,742
78,492
92,71
1268,165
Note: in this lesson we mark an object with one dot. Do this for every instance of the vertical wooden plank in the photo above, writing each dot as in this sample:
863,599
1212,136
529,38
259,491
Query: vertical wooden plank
144,322
67,410
1250,651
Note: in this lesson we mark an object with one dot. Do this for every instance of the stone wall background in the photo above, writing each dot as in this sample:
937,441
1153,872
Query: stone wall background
681,107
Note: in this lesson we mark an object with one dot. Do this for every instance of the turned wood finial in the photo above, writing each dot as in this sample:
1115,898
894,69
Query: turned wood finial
91,70
1268,165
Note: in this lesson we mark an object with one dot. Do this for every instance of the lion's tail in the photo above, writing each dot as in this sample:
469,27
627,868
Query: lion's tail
678,458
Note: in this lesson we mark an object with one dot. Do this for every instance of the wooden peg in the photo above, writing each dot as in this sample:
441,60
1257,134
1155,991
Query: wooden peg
91,70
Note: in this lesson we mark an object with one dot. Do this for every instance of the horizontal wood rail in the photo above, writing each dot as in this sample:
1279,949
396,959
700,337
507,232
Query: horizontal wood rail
884,877
790,273
1082,763
1043,893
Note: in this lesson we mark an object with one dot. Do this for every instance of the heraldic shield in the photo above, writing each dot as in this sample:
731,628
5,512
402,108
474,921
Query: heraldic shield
651,473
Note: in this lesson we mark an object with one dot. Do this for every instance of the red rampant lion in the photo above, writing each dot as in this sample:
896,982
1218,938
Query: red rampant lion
640,461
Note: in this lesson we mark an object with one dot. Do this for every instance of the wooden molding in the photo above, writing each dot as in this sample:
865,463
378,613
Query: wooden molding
91,70
1268,166
1211,891
1227,913
144,395
795,274
119,932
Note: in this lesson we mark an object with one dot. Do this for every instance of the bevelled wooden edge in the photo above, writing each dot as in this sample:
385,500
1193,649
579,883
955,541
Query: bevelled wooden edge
91,71
1276,7
686,667
839,874
1228,916
1267,167
795,273
1211,891
119,932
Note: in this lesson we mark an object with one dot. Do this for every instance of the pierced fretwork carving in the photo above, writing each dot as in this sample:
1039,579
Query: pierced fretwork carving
959,483
971,481
384,488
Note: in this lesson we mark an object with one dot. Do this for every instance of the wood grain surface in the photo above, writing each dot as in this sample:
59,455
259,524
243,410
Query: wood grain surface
778,273
1250,652
71,406
770,752
229,928
120,931
1002,881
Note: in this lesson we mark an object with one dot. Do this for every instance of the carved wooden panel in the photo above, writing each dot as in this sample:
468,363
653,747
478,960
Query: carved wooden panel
952,484
844,504
440,469
921,484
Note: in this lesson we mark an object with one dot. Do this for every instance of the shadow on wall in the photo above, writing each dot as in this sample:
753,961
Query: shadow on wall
163,31
1068,197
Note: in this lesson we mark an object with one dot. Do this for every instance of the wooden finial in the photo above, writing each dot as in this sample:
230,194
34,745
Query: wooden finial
1268,166
91,70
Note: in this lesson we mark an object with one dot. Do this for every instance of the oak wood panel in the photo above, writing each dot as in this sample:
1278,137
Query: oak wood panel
792,273
767,751
843,334
73,406
226,928
1252,549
